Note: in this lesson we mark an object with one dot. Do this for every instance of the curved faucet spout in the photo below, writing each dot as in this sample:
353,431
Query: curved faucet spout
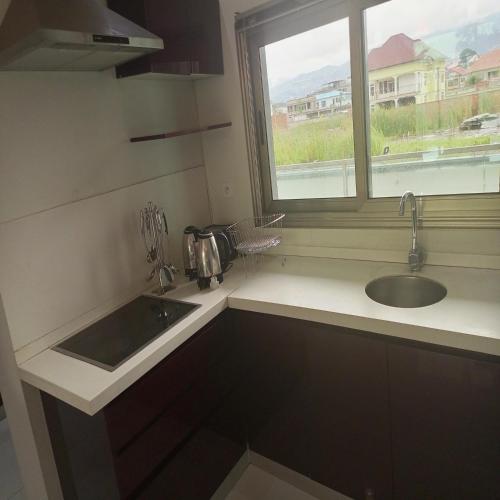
408,195
415,256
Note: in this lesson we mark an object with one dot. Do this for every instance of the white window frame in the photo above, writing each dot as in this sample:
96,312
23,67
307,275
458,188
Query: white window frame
459,210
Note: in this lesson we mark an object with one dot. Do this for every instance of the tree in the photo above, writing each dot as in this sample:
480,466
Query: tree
465,57
473,79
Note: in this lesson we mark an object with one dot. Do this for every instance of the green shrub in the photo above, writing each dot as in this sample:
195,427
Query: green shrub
403,129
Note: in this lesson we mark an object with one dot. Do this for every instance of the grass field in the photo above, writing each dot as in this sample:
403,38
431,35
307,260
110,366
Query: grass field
402,129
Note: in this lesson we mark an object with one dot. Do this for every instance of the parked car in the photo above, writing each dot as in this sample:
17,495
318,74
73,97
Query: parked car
486,117
473,123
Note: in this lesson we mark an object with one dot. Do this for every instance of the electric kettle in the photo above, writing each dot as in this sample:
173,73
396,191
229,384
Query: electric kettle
189,251
209,264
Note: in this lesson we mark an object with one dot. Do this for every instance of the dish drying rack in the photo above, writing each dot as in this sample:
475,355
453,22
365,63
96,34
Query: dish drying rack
253,236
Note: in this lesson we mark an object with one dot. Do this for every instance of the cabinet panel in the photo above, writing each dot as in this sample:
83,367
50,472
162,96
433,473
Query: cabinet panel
81,451
350,435
159,442
191,32
197,470
170,20
193,396
206,42
318,403
445,424
139,405
277,411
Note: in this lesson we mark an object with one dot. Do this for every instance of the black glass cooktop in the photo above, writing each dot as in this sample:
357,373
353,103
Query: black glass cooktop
115,338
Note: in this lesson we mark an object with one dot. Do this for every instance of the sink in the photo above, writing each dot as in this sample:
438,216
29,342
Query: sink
405,291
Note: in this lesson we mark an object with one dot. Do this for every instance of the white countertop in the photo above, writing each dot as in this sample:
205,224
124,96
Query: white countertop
333,292
90,388
328,291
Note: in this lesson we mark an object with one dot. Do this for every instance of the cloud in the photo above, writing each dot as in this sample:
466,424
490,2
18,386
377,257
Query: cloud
329,44
308,51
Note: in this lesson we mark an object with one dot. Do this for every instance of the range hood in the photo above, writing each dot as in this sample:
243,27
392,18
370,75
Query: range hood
69,35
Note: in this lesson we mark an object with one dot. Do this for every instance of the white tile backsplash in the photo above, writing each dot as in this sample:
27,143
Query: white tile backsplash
60,264
71,185
65,136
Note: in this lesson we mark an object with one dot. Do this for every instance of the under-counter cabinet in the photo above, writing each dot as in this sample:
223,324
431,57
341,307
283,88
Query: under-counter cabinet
370,416
176,433
445,421
318,403
191,32
350,433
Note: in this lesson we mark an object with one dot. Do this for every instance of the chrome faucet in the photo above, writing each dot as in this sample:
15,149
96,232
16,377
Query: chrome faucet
416,254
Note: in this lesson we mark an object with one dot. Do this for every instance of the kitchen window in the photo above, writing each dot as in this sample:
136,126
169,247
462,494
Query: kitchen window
379,118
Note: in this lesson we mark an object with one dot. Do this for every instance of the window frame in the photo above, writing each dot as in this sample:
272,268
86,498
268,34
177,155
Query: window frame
454,210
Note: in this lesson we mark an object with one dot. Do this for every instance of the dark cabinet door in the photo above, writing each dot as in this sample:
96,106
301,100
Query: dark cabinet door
276,408
318,403
445,424
205,37
176,433
350,436
191,32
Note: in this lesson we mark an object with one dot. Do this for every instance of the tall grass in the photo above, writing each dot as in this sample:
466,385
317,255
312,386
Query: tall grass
320,140
403,129
421,119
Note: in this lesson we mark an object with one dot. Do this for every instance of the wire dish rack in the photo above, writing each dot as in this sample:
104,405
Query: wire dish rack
257,234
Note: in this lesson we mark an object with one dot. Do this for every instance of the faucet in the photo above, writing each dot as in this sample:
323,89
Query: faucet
166,276
416,254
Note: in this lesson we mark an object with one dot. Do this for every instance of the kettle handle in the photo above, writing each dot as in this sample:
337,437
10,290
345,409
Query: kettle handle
226,263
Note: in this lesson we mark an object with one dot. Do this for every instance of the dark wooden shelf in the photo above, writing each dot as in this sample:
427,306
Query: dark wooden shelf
178,133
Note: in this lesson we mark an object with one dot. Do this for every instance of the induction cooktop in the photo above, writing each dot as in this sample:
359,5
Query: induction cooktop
114,339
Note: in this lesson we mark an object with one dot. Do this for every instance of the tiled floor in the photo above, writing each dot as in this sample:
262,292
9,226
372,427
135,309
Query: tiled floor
10,481
256,484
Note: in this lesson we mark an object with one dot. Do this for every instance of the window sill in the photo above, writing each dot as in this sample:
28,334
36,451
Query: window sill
444,212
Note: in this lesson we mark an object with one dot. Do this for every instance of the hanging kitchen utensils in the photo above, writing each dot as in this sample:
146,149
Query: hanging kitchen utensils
154,231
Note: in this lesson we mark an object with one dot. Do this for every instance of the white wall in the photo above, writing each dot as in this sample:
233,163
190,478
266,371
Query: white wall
71,185
227,163
36,484
219,99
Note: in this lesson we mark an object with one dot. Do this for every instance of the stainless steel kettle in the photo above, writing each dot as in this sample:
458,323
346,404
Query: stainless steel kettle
189,251
208,260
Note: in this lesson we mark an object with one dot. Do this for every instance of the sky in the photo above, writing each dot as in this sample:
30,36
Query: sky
330,44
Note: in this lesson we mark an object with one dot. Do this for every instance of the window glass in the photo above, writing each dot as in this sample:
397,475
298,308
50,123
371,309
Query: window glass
307,87
434,96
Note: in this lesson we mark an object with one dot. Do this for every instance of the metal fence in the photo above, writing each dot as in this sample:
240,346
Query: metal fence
454,160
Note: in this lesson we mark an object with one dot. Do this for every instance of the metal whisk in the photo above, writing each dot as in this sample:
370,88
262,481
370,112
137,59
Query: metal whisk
154,230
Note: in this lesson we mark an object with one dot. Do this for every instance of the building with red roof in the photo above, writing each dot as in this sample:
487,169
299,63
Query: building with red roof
486,67
456,77
404,70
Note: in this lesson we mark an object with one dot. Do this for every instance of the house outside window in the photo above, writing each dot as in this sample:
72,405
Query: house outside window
410,97
386,87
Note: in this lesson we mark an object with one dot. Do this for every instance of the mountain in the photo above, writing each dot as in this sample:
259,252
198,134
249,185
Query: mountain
306,83
481,36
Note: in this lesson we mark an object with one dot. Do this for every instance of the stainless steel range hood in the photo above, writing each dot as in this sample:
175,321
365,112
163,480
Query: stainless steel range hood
69,35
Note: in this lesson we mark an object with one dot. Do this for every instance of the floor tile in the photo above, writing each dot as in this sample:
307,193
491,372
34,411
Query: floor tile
256,484
10,480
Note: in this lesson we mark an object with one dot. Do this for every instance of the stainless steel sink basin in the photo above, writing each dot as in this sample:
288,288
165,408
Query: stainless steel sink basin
405,291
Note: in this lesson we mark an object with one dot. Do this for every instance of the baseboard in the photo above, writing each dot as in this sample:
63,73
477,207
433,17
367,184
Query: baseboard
301,482
232,478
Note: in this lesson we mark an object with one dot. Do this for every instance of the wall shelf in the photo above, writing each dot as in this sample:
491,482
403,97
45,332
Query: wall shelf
178,133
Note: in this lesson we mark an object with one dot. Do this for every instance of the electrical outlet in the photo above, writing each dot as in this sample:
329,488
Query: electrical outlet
227,189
